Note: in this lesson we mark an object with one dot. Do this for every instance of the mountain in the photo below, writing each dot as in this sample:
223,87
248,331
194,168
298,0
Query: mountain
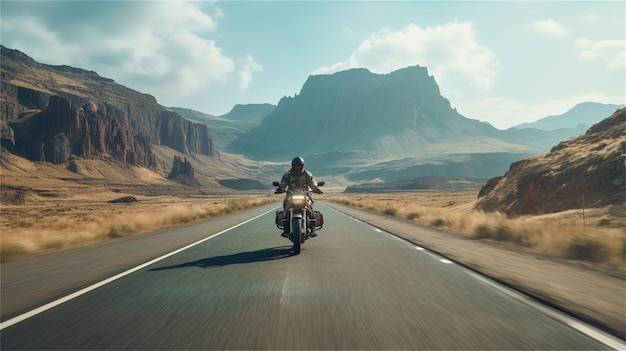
85,129
586,171
364,126
226,128
581,116
27,87
249,113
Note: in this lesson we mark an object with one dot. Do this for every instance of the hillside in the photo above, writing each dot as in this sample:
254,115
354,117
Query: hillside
587,171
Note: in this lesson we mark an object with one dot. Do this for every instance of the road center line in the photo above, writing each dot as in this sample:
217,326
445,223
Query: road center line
83,291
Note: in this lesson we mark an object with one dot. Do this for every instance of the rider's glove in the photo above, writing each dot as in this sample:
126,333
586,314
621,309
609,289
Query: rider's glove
318,191
279,191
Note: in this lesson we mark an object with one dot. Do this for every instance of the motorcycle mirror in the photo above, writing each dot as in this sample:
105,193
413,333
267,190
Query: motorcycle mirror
320,183
276,184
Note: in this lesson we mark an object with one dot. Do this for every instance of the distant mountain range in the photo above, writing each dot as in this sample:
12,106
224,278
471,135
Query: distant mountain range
226,128
583,115
352,127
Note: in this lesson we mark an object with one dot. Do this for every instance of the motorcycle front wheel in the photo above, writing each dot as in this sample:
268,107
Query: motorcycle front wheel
296,230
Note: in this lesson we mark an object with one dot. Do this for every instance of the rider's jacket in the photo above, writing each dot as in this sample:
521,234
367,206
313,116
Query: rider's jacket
298,180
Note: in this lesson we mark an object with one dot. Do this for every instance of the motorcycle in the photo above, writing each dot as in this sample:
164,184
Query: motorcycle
298,219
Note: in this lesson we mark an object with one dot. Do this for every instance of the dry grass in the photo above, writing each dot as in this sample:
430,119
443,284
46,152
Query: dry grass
596,238
46,207
49,225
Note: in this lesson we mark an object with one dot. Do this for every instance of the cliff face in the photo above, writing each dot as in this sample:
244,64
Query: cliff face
587,171
63,129
125,123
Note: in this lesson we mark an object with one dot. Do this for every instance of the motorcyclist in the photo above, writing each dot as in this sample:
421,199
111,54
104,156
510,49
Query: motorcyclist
298,178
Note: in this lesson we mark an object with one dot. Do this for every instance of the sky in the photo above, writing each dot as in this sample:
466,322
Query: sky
503,62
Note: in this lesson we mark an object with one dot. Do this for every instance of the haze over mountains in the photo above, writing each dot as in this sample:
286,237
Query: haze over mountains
352,127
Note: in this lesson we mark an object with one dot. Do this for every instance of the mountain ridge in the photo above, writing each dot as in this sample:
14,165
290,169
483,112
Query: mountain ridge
585,114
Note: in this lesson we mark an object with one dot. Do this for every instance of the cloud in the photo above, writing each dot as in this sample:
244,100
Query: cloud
446,50
549,27
611,52
160,47
248,65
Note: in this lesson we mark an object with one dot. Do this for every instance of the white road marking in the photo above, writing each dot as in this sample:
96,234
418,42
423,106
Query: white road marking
72,296
434,255
283,294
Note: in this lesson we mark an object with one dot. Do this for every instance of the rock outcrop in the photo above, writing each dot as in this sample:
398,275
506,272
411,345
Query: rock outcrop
182,172
587,171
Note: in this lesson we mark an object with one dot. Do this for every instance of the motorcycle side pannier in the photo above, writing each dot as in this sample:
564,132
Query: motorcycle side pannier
280,217
319,219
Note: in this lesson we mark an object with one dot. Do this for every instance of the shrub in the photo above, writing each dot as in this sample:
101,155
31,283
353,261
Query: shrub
482,231
439,222
584,248
390,211
122,230
504,233
412,215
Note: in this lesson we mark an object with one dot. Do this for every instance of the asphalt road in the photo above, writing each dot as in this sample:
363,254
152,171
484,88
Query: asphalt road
352,287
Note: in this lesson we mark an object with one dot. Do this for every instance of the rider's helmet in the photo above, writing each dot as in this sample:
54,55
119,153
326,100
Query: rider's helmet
297,164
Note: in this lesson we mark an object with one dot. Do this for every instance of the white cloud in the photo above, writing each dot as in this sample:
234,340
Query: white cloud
248,66
446,50
158,47
549,27
611,52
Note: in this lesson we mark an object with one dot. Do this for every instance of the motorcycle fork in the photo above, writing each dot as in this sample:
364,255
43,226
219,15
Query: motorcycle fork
305,220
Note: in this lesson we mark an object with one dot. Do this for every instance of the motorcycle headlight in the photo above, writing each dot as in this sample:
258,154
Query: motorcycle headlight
298,199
